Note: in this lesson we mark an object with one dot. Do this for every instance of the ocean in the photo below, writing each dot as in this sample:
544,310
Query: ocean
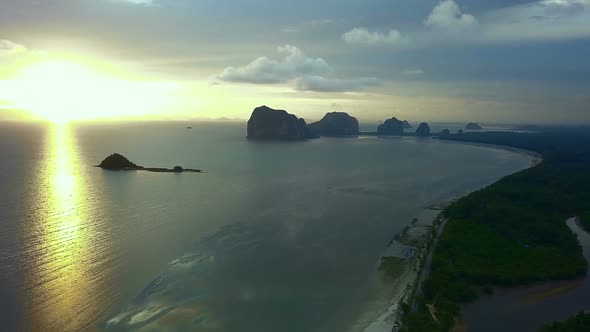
274,236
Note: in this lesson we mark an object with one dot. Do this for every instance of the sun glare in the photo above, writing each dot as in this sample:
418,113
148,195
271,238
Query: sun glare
57,89
62,91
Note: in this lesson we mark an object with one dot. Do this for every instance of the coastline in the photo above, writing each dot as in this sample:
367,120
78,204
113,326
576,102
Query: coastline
536,157
416,271
410,278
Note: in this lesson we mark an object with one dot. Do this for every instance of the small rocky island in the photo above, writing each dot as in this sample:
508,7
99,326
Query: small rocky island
338,124
391,126
269,124
117,162
445,133
473,126
407,125
423,129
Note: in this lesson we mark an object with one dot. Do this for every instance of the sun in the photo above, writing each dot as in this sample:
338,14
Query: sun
64,91
57,90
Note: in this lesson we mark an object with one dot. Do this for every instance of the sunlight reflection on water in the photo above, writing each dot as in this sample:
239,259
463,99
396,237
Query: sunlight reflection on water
62,277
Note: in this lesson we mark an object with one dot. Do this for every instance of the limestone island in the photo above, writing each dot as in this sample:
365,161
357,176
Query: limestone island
473,126
337,124
393,127
423,129
445,133
269,124
407,125
117,162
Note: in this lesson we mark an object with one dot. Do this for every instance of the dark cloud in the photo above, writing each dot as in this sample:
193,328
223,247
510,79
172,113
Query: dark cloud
322,84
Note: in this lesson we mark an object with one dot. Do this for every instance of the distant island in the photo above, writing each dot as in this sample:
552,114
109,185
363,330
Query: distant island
391,126
117,162
270,124
395,127
338,124
473,126
423,129
273,124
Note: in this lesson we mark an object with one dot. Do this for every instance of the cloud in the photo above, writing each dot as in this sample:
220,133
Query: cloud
541,20
136,2
293,63
362,36
289,30
413,72
563,7
293,66
538,21
540,10
322,84
307,25
447,15
10,50
8,47
14,57
321,21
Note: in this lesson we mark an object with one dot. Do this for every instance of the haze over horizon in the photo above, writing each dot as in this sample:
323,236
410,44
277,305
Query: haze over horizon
509,61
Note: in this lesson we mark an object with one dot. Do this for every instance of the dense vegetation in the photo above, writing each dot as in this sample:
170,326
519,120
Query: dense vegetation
510,233
585,220
578,323
553,145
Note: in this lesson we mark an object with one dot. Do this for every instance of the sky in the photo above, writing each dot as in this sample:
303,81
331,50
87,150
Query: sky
499,61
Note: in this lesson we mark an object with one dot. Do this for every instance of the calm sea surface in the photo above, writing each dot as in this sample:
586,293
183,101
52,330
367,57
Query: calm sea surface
274,237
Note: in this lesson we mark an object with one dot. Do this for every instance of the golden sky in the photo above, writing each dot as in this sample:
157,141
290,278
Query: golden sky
502,61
